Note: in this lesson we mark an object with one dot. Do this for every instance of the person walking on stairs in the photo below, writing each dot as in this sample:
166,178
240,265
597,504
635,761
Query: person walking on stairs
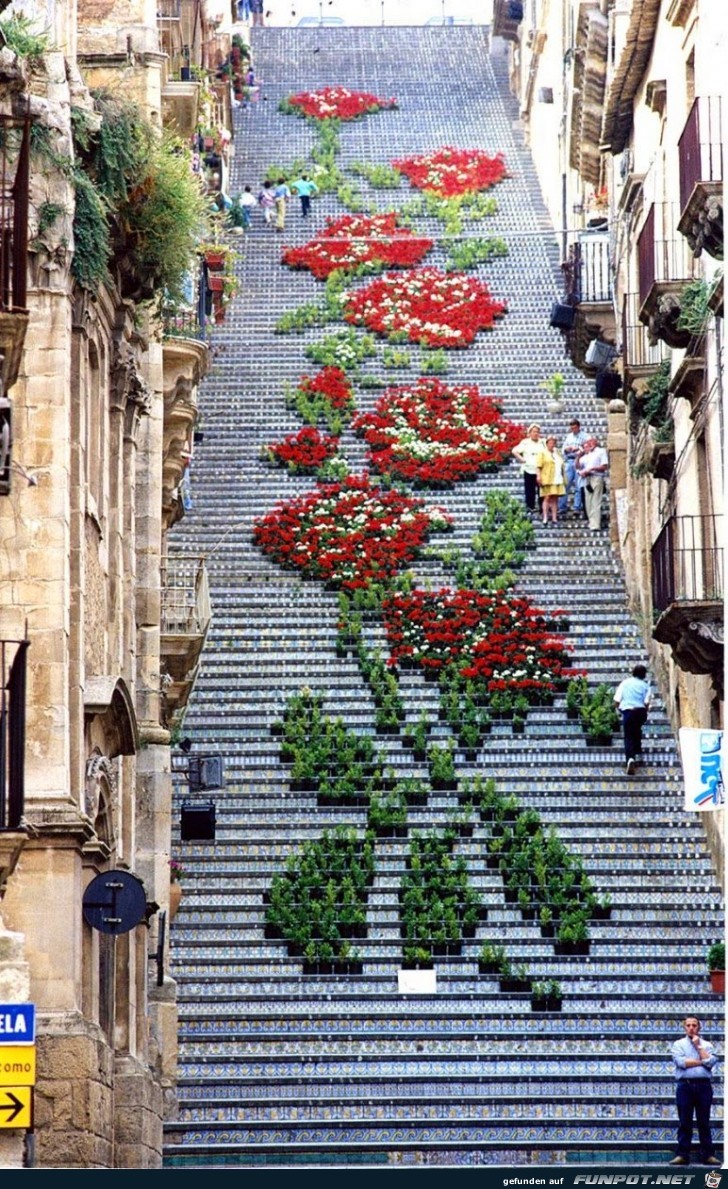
528,451
694,1060
267,201
632,698
305,189
282,194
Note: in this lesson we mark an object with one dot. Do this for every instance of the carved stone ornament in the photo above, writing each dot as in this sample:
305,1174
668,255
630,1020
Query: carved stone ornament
100,790
129,391
663,323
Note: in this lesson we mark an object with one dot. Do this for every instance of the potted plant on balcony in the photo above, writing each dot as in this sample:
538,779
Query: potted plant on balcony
716,967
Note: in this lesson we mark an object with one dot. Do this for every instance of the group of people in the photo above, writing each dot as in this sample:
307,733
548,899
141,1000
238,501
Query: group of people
273,199
551,475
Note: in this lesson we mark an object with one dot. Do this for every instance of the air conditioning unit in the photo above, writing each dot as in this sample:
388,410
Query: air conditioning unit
197,822
562,316
204,772
599,354
607,384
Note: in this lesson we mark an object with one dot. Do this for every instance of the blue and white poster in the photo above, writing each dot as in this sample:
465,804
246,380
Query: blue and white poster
701,753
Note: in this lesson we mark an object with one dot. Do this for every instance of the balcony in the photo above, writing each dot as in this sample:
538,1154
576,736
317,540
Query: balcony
14,188
185,619
640,356
588,288
665,265
181,103
700,155
687,593
587,92
185,357
507,17
13,657
654,451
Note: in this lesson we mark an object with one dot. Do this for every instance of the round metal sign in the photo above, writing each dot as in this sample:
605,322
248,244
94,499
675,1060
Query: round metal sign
114,902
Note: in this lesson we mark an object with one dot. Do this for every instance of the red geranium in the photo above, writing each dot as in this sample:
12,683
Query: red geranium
497,638
350,533
425,305
329,387
304,451
337,103
450,172
436,433
354,240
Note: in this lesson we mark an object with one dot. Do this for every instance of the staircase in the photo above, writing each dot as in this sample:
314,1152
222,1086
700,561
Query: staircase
278,1067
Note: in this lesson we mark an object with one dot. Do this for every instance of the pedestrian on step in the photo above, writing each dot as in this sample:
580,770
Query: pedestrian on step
591,467
571,447
528,451
267,201
694,1060
246,202
305,189
632,698
282,194
550,479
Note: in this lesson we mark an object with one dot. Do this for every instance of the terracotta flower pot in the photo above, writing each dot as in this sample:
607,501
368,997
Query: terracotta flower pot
175,897
717,981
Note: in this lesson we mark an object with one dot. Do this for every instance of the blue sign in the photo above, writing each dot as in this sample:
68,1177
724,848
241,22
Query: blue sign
17,1023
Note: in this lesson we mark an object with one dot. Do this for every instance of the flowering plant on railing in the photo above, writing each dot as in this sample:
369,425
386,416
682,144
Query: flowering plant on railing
335,103
436,433
359,242
176,871
449,172
349,533
327,396
303,452
427,306
496,638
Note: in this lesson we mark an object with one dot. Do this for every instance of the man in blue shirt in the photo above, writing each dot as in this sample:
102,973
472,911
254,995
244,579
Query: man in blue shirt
632,698
694,1060
304,188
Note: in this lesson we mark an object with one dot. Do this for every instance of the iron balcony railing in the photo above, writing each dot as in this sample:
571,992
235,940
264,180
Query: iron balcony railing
186,609
169,10
14,189
662,255
587,269
12,732
687,561
183,323
638,353
700,148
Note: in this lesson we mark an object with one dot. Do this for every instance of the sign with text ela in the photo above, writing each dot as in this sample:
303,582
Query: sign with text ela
17,1023
701,752
17,1065
16,1107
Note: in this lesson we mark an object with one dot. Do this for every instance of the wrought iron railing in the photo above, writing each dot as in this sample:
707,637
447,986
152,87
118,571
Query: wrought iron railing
638,353
180,322
687,561
700,147
14,188
587,271
186,609
12,732
169,10
662,255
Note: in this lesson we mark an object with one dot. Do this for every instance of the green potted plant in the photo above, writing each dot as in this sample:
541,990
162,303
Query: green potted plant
716,967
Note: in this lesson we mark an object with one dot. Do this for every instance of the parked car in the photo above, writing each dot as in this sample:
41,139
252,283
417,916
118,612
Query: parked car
450,21
318,21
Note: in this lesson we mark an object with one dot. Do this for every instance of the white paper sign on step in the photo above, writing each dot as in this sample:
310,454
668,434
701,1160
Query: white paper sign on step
703,764
417,982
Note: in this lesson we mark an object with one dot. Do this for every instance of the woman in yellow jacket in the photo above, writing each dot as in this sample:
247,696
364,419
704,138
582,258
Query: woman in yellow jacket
550,475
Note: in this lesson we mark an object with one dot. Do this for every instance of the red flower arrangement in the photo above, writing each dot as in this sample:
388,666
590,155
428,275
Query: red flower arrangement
497,638
451,172
354,240
349,533
304,451
329,388
436,433
426,306
336,103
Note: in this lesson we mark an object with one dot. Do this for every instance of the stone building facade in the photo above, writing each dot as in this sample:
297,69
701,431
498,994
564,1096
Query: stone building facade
633,94
98,409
